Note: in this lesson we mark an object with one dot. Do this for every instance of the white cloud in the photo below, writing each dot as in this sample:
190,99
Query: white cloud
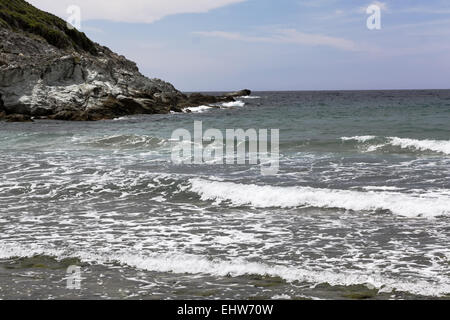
427,10
316,3
288,36
139,11
382,5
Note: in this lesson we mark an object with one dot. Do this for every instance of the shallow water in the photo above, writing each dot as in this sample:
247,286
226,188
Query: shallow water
359,209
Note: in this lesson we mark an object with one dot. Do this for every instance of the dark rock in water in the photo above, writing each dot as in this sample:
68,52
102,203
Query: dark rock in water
69,77
176,109
241,93
18,118
197,99
68,115
2,107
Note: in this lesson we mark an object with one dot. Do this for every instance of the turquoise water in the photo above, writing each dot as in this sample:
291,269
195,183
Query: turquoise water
359,208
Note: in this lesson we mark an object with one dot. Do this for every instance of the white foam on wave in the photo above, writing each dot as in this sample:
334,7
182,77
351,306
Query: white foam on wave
204,108
382,188
406,205
121,118
359,138
119,140
237,103
249,97
441,146
199,109
182,263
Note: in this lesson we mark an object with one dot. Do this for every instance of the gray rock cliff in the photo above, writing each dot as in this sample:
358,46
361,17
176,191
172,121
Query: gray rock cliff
73,79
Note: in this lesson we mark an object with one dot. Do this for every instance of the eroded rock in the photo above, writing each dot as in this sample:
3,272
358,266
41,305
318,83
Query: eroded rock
40,79
18,118
241,93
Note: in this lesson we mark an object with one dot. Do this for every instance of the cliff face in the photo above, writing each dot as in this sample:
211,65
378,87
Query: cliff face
38,79
48,70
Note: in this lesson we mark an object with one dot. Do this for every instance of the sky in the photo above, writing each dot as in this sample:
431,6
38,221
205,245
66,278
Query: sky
222,45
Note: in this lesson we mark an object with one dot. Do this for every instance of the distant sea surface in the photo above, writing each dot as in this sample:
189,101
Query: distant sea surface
360,208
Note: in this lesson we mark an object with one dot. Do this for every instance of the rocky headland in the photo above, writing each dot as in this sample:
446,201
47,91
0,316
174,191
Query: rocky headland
51,71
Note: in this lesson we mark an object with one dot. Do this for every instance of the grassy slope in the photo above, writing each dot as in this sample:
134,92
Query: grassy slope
20,15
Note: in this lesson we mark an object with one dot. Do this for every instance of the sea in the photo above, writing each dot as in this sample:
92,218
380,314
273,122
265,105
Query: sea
358,209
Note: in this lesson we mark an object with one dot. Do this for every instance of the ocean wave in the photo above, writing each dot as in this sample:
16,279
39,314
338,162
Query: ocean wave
199,109
401,204
249,97
359,138
237,103
204,108
119,141
182,263
439,146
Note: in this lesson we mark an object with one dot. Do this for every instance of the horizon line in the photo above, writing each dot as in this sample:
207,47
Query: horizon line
319,90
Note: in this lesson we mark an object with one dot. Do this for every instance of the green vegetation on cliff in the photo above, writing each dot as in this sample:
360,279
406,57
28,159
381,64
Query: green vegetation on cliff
20,15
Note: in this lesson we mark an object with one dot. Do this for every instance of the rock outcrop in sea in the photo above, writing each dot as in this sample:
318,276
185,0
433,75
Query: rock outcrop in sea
48,70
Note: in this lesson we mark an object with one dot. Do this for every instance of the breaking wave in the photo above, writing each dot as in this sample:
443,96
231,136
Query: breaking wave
119,141
237,103
439,146
182,263
359,138
204,108
199,109
407,205
423,145
250,97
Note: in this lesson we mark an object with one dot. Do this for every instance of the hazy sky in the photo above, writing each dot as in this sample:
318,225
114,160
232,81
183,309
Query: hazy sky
202,45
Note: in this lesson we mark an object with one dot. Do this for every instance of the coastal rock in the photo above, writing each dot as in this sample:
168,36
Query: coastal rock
2,108
17,118
58,73
46,80
241,93
196,99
